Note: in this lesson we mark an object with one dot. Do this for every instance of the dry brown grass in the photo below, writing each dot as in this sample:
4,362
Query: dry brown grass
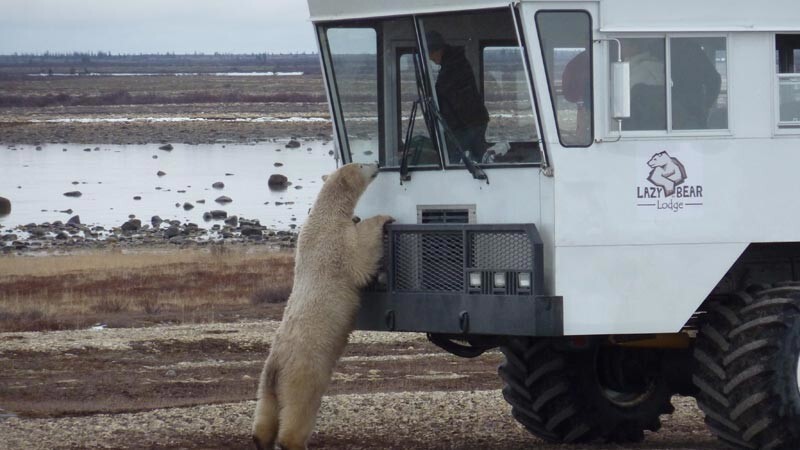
55,292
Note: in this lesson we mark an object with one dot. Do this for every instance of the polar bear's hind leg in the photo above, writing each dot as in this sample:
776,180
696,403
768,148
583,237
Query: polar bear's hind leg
298,413
265,425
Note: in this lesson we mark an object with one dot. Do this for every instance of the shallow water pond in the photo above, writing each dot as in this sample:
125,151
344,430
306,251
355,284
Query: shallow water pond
109,177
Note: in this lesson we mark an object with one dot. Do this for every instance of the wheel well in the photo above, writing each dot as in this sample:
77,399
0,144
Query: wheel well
761,264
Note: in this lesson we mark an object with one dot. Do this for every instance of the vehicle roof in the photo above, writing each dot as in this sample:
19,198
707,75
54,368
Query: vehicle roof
615,15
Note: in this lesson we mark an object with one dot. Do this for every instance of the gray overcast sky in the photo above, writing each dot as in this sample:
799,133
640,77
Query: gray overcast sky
150,26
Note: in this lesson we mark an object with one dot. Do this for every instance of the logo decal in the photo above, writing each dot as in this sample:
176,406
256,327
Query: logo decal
667,172
667,188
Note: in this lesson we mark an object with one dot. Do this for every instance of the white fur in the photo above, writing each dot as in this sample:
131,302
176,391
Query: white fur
335,259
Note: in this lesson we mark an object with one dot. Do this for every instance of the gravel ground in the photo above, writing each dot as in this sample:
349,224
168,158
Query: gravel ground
390,391
420,420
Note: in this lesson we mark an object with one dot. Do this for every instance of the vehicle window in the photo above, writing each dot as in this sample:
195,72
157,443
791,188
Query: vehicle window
787,49
511,132
699,83
481,93
422,151
647,58
354,63
698,89
565,37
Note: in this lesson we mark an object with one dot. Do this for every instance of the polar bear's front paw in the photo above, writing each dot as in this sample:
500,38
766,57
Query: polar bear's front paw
385,220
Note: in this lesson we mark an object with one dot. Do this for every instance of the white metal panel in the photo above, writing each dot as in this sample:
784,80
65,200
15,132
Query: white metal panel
747,195
694,15
512,196
637,289
338,10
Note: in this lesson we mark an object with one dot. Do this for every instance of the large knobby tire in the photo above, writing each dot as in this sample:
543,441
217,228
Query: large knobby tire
560,395
747,372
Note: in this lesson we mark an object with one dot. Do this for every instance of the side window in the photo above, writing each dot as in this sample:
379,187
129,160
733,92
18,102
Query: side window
787,49
647,58
693,95
699,83
512,129
565,37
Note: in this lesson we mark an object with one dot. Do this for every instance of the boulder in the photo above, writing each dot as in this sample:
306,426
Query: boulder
216,214
137,197
223,199
132,225
278,164
218,185
161,173
167,147
5,206
171,232
278,181
232,221
73,194
251,231
293,144
156,221
74,221
187,206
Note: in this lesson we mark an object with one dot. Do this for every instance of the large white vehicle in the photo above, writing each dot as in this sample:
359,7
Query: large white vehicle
625,226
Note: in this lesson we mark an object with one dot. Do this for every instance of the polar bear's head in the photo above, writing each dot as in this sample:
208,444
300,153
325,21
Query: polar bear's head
344,187
659,160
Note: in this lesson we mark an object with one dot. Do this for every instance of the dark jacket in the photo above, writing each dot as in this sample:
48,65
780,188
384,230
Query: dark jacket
459,99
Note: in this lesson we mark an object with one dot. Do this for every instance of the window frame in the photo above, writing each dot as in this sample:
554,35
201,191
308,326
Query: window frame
592,131
333,86
668,132
778,130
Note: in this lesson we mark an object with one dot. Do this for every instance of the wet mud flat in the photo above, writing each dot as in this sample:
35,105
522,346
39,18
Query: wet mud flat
78,109
193,386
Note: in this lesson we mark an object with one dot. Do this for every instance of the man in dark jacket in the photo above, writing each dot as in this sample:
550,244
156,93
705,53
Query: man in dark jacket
460,101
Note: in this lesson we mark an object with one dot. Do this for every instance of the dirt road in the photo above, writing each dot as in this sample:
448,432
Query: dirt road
191,386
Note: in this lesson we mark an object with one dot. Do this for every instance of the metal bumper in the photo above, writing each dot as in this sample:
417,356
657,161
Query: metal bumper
427,285
462,314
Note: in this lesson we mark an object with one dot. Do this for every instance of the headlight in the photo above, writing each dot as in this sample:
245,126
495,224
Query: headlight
500,279
524,280
475,279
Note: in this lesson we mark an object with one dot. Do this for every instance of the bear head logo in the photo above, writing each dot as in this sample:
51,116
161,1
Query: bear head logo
666,172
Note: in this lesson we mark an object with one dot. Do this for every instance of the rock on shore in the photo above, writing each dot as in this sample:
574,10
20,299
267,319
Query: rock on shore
278,181
5,206
75,235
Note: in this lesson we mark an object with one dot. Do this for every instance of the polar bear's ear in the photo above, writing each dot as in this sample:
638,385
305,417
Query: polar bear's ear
324,178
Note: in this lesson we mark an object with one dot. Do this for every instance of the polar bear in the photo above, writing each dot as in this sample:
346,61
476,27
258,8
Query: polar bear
667,172
336,257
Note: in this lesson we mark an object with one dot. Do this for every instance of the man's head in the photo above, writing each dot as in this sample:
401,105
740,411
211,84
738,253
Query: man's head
436,45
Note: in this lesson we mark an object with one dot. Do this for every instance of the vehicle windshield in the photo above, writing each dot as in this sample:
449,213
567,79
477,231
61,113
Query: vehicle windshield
468,82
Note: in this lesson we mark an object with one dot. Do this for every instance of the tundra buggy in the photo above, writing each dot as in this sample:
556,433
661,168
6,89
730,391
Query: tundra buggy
606,190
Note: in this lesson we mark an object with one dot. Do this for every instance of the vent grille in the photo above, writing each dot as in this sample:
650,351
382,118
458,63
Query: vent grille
500,251
444,216
429,262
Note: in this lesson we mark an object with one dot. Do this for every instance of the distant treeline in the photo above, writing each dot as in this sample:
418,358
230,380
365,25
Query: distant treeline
78,62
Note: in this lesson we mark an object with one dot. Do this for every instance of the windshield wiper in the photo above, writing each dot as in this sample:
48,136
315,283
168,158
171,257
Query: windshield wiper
473,168
407,143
